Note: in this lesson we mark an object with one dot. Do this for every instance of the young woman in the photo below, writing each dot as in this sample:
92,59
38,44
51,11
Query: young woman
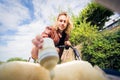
59,33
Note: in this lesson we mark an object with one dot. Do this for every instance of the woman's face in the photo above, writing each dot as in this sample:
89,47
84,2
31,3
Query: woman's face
62,22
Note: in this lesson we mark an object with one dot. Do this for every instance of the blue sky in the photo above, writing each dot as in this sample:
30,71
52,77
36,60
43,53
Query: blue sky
22,20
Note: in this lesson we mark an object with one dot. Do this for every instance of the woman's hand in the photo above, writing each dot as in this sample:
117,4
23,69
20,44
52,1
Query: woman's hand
38,44
67,43
38,41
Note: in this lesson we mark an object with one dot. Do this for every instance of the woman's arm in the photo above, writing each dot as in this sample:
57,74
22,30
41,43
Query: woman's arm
38,42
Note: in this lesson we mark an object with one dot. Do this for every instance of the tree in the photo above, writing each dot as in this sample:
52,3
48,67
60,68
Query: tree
1,62
94,13
16,59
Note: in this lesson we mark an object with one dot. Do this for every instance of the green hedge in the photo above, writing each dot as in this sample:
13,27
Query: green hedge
103,51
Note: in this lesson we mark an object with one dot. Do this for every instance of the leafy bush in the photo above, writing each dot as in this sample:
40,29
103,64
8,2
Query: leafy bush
83,32
104,51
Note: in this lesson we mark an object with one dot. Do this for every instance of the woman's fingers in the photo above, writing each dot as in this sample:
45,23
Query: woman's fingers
39,38
38,42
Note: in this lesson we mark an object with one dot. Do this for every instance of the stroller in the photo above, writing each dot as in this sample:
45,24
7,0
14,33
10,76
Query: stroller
75,51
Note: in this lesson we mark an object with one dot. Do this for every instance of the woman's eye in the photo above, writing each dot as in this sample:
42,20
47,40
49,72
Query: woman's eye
62,21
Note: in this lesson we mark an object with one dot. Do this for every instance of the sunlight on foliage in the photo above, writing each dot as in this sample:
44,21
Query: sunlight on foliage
83,32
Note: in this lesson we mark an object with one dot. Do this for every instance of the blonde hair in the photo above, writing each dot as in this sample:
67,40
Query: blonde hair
69,25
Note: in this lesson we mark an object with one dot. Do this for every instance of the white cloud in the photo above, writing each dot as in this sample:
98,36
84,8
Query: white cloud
50,8
12,13
20,45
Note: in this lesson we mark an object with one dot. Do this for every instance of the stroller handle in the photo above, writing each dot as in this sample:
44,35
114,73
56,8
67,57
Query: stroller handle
76,53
